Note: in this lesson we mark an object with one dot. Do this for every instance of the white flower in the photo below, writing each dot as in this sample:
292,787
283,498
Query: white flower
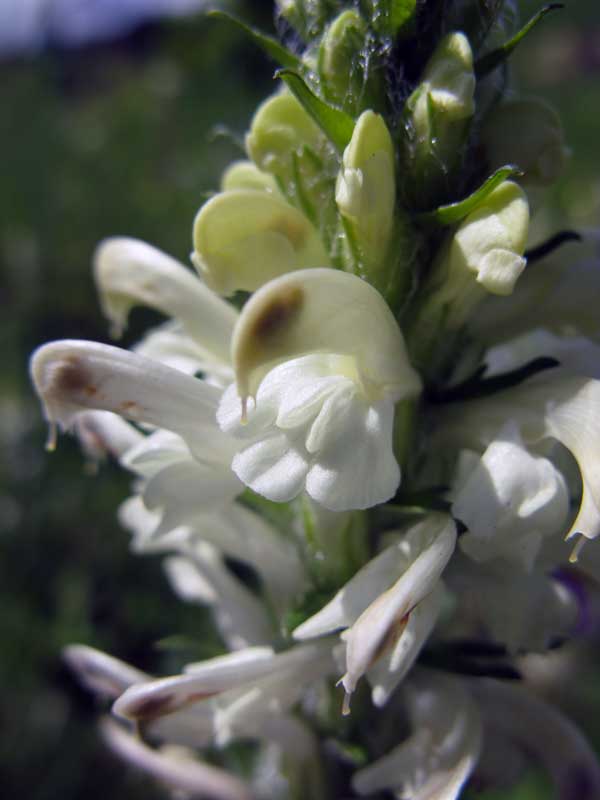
335,365
130,272
241,691
388,608
509,499
523,611
543,732
557,406
178,769
439,756
72,376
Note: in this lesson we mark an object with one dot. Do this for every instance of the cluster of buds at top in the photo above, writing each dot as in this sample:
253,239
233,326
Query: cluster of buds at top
371,425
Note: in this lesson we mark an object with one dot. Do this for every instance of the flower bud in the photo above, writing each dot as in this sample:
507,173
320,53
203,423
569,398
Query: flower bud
437,116
366,188
345,69
280,134
527,133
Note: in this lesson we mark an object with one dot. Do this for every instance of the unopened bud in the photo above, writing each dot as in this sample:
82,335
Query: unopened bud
437,117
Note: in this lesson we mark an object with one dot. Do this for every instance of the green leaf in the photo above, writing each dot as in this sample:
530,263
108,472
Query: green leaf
390,16
491,60
268,44
335,123
455,212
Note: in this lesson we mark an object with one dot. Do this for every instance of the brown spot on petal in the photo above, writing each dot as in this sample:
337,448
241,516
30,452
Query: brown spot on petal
129,408
197,696
293,230
278,313
70,377
151,708
393,633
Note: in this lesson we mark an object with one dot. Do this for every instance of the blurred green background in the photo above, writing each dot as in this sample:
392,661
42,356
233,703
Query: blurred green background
121,138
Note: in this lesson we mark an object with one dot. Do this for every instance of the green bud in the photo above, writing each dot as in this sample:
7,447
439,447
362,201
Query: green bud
484,255
366,190
307,17
349,76
392,17
527,133
287,143
437,117
280,130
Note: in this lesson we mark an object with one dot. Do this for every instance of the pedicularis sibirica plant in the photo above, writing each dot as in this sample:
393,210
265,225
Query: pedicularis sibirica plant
394,426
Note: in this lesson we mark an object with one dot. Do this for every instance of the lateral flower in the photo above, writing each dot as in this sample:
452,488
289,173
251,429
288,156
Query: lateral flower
325,360
242,240
72,376
441,753
484,255
386,627
510,500
559,406
130,272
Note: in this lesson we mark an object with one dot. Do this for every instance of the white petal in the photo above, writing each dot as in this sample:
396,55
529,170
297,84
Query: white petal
183,774
243,711
541,730
389,670
272,467
170,346
359,469
240,616
322,310
187,488
432,543
555,297
100,672
129,272
243,239
212,677
522,611
203,680
436,761
559,406
575,353
102,433
71,376
360,591
509,502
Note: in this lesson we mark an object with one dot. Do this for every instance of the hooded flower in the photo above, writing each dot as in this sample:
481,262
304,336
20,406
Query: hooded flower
323,411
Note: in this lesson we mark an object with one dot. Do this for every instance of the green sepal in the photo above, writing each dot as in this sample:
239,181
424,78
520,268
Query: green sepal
491,60
267,44
391,16
335,123
454,212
